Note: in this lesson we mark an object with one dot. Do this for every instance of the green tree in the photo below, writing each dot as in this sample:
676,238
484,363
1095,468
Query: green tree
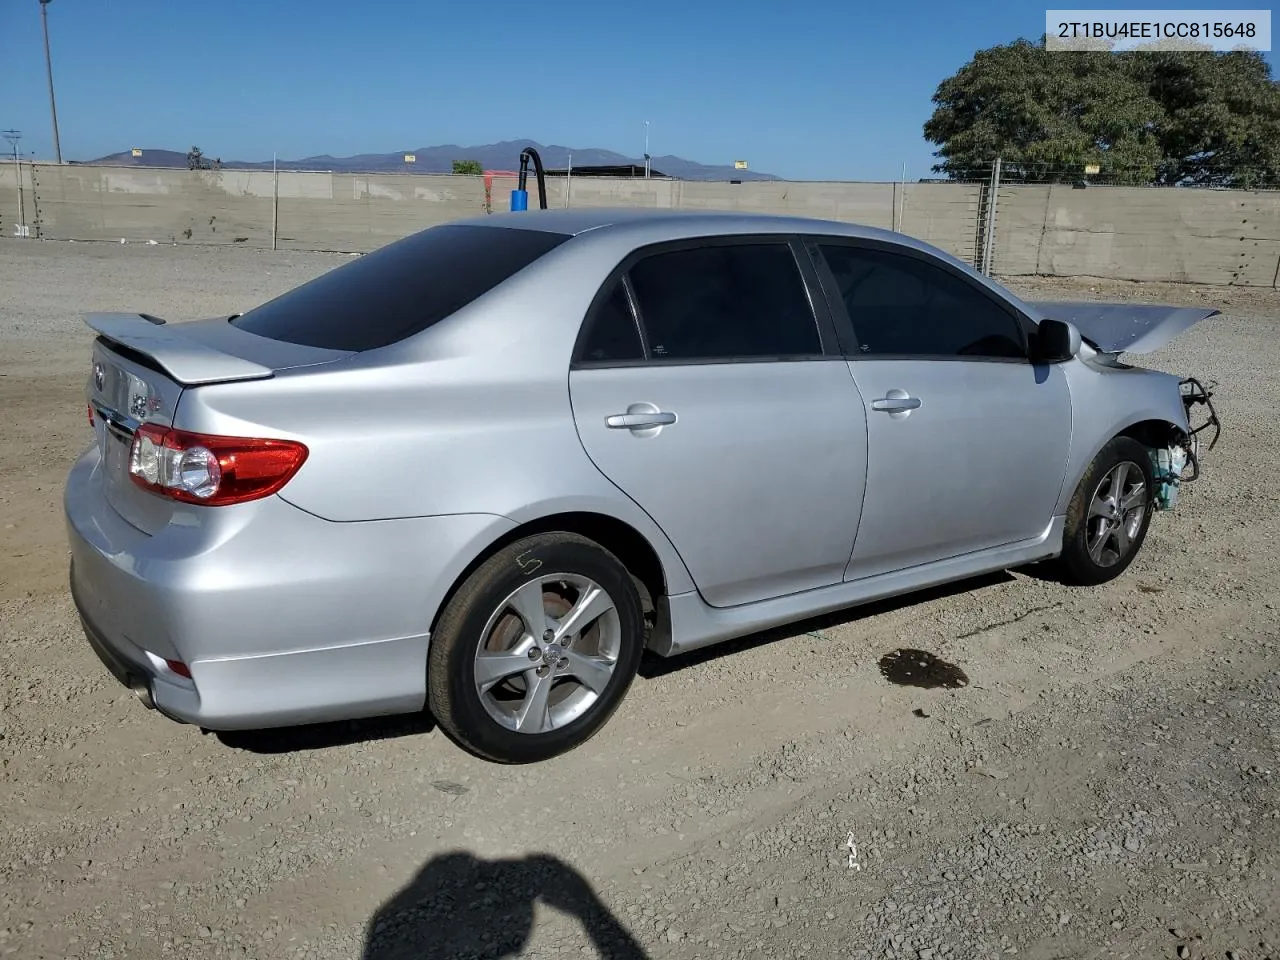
1145,116
468,167
196,159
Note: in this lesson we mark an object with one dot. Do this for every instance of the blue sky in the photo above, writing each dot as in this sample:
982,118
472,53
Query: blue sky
813,89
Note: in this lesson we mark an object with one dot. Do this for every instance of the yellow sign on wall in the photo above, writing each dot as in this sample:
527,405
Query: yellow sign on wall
136,152
739,164
410,158
1092,168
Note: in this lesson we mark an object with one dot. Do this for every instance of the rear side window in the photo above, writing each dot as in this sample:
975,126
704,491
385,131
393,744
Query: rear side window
400,289
612,334
904,306
734,301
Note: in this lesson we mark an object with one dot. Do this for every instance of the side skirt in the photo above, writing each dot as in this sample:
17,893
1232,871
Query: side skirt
686,622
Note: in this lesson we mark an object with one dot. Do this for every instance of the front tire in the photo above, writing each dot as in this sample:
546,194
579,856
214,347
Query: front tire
536,649
1109,515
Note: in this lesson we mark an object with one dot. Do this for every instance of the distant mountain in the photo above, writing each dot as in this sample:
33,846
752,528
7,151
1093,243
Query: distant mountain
492,156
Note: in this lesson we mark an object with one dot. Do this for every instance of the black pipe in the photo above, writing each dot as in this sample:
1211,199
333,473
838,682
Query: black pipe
525,154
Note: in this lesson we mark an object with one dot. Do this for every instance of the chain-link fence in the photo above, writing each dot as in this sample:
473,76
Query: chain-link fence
1002,227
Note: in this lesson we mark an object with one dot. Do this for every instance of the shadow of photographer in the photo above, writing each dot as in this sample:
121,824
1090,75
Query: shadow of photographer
464,908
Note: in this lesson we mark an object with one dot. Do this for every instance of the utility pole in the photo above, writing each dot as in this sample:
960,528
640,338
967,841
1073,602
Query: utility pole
646,149
48,64
13,136
275,199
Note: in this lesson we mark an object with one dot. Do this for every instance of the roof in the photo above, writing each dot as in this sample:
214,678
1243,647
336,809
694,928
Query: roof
626,228
581,219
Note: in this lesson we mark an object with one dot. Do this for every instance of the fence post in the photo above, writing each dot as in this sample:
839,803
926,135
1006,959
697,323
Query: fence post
900,202
1044,226
37,220
989,227
20,225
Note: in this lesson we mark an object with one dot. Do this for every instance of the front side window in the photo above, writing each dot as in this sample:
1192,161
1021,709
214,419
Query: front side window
729,301
904,306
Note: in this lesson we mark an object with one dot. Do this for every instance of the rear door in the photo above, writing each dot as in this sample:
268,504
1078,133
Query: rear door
967,438
710,391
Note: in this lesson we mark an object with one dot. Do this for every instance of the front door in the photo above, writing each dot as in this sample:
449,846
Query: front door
967,439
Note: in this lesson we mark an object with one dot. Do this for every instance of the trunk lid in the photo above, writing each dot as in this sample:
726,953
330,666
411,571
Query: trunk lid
140,368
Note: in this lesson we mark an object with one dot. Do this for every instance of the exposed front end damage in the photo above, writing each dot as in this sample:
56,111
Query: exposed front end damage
1195,394
1173,438
1169,463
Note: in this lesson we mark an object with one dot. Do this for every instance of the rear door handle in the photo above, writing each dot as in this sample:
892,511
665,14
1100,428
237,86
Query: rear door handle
896,402
639,421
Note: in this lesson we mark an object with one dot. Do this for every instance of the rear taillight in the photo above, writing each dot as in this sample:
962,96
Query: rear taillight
90,414
210,470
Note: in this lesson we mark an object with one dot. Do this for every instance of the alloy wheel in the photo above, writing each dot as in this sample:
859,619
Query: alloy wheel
547,653
1117,511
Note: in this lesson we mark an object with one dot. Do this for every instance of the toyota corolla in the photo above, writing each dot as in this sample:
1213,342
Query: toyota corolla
481,470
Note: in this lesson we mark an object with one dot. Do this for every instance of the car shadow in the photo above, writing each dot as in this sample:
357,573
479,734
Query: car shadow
460,906
653,666
323,736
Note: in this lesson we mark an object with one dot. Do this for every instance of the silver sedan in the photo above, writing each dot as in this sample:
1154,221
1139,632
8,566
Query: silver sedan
483,469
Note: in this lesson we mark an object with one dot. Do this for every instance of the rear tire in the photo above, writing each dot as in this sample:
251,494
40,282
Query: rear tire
1109,515
536,649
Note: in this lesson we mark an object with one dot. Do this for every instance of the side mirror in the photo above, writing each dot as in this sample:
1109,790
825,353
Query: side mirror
1055,341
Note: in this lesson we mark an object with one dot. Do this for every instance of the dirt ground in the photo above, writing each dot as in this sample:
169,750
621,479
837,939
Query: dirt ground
1107,785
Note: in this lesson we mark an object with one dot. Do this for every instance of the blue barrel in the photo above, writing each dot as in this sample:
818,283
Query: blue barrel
519,200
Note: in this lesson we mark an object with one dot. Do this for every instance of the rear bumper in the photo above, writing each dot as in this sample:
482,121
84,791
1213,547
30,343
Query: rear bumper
282,618
130,665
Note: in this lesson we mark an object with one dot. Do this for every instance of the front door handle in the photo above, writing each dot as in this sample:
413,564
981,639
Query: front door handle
639,421
896,404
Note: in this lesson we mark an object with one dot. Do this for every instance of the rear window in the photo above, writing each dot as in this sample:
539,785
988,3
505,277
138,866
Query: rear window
400,289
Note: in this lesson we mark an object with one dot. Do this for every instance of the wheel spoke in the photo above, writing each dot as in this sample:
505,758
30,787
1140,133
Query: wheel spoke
1118,476
492,668
532,715
591,605
1136,497
1121,533
1098,508
594,672
1098,541
528,606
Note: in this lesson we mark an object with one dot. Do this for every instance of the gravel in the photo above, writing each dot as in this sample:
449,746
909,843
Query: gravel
1106,785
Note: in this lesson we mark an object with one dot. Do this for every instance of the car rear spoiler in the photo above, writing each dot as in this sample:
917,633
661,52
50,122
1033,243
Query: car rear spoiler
182,358
1124,327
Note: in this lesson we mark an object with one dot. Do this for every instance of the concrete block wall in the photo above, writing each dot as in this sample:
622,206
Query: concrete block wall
1197,236
316,211
1136,233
